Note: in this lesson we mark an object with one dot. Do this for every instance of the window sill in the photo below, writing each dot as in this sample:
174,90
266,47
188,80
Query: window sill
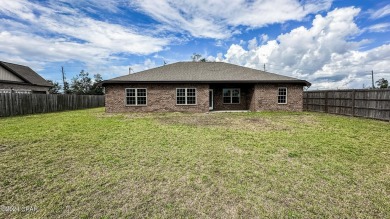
136,105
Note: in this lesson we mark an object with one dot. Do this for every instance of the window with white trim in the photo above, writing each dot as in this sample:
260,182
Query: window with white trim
136,96
231,95
185,96
16,91
282,95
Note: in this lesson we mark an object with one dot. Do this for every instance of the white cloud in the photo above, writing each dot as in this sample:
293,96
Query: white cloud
379,28
382,12
219,43
94,6
252,44
263,38
220,19
57,33
49,50
323,54
72,23
147,64
219,57
111,71
211,59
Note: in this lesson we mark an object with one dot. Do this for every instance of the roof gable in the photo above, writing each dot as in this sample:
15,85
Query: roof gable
202,72
25,73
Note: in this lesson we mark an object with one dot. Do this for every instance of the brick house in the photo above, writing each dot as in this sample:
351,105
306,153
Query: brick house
21,79
203,87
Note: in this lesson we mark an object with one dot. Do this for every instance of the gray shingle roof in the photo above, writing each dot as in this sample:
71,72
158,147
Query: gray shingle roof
26,74
204,72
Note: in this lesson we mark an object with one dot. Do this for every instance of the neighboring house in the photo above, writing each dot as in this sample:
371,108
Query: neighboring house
203,87
21,79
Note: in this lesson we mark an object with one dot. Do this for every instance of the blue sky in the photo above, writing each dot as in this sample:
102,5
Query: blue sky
333,44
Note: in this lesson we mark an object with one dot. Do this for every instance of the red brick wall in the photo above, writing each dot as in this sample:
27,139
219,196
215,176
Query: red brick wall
160,98
265,97
252,100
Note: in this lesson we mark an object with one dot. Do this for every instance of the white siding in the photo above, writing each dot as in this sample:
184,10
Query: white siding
5,75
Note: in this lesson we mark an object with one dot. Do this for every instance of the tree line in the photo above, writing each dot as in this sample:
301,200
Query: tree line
382,83
81,84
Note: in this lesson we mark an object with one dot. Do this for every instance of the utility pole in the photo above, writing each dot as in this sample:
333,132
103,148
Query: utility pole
63,79
264,66
372,76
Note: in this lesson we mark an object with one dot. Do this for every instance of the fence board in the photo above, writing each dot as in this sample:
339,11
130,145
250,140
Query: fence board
12,104
362,103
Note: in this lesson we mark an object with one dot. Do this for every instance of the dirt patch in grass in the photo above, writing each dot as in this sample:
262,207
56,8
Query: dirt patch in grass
234,121
193,120
3,148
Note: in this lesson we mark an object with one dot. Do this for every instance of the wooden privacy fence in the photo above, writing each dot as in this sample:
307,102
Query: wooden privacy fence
362,103
21,104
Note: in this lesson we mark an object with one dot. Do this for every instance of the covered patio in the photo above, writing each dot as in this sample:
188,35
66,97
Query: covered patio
228,97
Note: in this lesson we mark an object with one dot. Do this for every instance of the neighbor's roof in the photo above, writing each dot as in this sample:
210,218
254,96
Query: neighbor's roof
204,72
26,74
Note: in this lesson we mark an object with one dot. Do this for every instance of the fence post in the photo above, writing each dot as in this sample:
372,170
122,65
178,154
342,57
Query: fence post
326,102
11,104
307,101
353,102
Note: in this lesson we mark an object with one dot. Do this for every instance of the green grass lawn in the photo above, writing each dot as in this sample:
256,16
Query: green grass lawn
238,165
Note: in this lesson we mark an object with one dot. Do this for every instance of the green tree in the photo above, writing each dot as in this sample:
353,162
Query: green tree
198,58
96,89
66,88
81,84
382,83
55,89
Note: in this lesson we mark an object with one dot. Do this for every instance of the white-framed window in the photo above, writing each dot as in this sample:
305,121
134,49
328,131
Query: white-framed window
231,95
186,96
5,91
136,96
17,91
282,95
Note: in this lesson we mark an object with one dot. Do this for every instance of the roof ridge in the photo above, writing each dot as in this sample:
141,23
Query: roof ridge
25,73
15,64
267,72
200,71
